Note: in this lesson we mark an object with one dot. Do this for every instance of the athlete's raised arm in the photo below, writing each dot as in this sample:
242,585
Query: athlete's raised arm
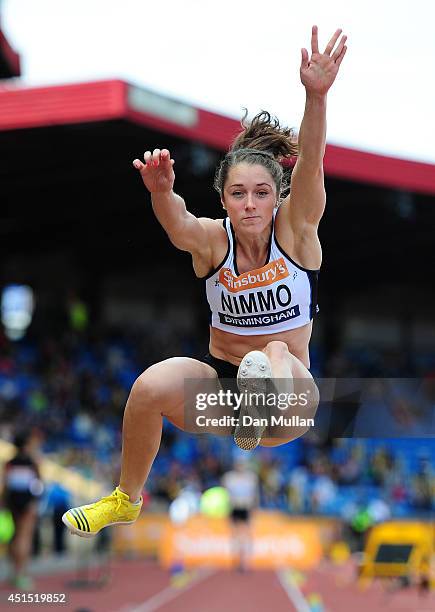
185,231
306,202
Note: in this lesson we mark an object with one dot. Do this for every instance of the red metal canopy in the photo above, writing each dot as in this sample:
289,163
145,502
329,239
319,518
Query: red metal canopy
104,100
9,59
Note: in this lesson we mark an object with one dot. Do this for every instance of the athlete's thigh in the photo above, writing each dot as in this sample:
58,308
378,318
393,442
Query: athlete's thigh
304,383
305,388
174,383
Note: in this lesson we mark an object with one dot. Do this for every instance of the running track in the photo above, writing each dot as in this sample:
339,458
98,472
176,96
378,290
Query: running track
141,586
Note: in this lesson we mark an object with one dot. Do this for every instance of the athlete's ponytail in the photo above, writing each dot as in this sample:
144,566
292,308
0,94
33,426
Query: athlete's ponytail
265,133
263,141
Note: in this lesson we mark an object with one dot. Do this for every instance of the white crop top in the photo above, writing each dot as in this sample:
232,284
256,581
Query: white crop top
277,297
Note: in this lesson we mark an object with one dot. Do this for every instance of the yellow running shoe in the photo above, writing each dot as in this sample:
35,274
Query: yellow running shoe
115,509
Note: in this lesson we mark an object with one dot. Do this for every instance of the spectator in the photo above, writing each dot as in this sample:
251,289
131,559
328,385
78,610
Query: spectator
242,486
22,488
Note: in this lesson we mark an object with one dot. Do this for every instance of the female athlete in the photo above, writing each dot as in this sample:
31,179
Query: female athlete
260,268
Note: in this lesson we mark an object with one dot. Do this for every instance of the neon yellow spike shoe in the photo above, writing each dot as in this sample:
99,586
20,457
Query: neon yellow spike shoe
115,509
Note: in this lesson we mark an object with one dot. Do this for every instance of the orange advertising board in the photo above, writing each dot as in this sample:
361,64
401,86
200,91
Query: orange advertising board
277,541
141,538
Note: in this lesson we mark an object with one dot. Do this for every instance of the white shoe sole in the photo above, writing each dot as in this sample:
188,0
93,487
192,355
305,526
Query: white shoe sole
84,534
254,365
254,372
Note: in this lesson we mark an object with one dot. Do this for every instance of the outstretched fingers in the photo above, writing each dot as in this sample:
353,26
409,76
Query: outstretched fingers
156,157
314,40
339,58
305,59
339,49
153,159
165,157
148,158
332,42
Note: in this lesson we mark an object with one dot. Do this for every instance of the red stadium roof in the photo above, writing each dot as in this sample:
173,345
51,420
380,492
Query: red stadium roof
9,59
104,100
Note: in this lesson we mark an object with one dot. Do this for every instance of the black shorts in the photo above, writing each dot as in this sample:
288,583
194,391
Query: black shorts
19,502
240,515
227,372
223,368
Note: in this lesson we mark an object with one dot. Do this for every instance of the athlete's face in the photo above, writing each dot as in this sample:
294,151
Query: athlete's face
249,197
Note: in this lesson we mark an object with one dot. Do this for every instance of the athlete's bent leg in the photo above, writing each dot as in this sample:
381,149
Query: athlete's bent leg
291,377
158,392
21,544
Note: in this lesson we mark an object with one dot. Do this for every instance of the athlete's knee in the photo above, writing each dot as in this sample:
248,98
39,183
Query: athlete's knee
308,395
147,388
276,349
314,402
157,385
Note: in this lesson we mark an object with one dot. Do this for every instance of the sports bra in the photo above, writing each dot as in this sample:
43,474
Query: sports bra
277,297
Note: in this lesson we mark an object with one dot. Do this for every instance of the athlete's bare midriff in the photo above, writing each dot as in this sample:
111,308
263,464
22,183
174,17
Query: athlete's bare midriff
233,347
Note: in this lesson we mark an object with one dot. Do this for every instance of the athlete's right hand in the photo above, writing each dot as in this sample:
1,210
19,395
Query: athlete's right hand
157,172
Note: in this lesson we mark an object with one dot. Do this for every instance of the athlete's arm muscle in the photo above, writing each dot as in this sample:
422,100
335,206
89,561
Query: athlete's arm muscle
185,231
306,203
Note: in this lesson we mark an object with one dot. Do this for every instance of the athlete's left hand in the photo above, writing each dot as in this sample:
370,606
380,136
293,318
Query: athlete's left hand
318,72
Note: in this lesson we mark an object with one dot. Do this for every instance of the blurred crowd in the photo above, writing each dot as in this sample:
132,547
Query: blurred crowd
72,388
